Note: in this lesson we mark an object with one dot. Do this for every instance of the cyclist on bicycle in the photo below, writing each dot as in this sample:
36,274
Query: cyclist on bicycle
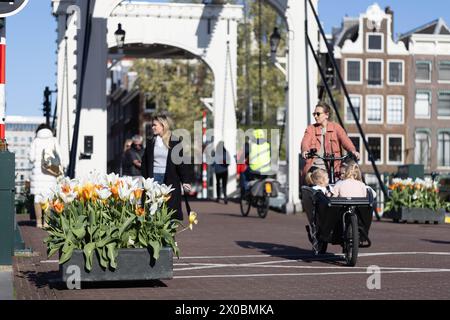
259,158
326,137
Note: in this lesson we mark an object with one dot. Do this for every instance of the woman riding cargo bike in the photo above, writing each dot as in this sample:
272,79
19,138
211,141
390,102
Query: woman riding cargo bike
332,219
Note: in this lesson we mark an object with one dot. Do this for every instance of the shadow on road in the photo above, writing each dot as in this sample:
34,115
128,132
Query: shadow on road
436,241
290,252
52,279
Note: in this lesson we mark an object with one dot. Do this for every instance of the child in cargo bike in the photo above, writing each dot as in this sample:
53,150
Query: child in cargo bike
351,184
318,178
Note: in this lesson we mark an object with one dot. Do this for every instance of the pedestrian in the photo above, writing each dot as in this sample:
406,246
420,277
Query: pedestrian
132,161
326,137
221,163
163,164
126,147
45,157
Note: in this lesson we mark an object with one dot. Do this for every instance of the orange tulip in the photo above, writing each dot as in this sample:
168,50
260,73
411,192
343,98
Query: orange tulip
58,206
138,193
140,212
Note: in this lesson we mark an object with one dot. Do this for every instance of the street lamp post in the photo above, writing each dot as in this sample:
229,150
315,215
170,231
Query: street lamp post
120,37
275,39
120,40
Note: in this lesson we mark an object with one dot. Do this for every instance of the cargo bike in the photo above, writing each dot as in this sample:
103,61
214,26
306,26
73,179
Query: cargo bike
338,221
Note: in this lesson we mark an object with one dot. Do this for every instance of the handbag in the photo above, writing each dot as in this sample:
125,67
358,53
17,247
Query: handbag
51,162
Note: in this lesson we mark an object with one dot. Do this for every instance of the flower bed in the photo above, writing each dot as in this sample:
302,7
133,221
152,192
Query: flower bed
415,201
103,214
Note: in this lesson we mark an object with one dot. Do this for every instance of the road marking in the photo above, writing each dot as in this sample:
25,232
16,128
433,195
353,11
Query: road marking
306,274
320,256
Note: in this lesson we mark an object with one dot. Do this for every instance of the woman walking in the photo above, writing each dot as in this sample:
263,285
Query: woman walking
158,162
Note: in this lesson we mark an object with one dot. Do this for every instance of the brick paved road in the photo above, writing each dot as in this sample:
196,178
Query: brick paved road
231,257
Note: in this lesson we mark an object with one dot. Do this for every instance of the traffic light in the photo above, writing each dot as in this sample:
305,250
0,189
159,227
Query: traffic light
47,105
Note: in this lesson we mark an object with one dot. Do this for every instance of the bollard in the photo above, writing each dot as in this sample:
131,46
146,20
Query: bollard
7,212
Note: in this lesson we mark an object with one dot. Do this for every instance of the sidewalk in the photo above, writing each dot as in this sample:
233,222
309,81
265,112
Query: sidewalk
6,283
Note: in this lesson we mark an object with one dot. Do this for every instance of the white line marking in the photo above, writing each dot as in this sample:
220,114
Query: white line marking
305,274
314,256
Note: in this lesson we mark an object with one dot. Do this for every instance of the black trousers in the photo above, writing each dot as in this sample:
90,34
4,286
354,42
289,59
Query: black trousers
222,178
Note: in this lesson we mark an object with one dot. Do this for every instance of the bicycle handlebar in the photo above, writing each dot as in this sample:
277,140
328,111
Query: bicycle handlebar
313,154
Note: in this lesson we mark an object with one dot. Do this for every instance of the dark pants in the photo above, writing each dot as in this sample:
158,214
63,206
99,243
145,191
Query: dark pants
222,178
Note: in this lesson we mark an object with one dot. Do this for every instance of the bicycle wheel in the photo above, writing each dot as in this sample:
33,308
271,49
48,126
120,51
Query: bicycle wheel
245,204
351,243
263,207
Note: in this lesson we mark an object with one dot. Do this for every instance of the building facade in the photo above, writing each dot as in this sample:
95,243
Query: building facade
429,86
20,132
400,91
375,70
129,112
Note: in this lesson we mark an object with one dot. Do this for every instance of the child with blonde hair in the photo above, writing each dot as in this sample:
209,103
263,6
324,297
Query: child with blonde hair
351,184
319,178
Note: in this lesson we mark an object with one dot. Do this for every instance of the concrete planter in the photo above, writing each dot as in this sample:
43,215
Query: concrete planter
132,265
416,215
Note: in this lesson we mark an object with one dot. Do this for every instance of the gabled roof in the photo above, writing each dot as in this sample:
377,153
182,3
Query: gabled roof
348,30
435,27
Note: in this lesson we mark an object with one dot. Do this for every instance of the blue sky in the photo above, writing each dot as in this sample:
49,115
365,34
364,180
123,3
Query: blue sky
31,43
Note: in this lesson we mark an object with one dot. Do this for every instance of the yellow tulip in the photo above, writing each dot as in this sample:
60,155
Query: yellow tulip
192,219
45,205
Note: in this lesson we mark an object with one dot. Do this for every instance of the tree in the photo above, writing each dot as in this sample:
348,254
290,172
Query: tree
177,87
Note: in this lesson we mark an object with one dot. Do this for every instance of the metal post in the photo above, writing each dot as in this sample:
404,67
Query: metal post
204,165
3,145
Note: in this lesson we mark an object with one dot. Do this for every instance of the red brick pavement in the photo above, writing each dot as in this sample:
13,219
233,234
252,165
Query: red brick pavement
231,257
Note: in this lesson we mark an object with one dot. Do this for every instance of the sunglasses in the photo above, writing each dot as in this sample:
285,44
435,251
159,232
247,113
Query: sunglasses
317,114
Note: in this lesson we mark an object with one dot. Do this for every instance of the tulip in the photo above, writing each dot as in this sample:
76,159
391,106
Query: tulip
192,219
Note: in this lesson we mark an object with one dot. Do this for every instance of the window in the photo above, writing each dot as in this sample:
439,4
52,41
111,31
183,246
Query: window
375,42
354,71
356,103
422,148
374,109
444,104
395,149
375,148
423,104
375,73
423,71
395,110
356,140
444,149
395,72
444,70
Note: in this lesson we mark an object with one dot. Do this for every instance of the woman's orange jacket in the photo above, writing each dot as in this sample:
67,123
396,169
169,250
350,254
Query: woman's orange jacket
335,138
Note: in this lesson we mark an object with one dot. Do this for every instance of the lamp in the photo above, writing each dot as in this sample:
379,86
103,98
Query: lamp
120,36
274,40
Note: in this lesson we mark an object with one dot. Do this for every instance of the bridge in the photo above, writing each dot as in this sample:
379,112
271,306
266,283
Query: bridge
86,41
